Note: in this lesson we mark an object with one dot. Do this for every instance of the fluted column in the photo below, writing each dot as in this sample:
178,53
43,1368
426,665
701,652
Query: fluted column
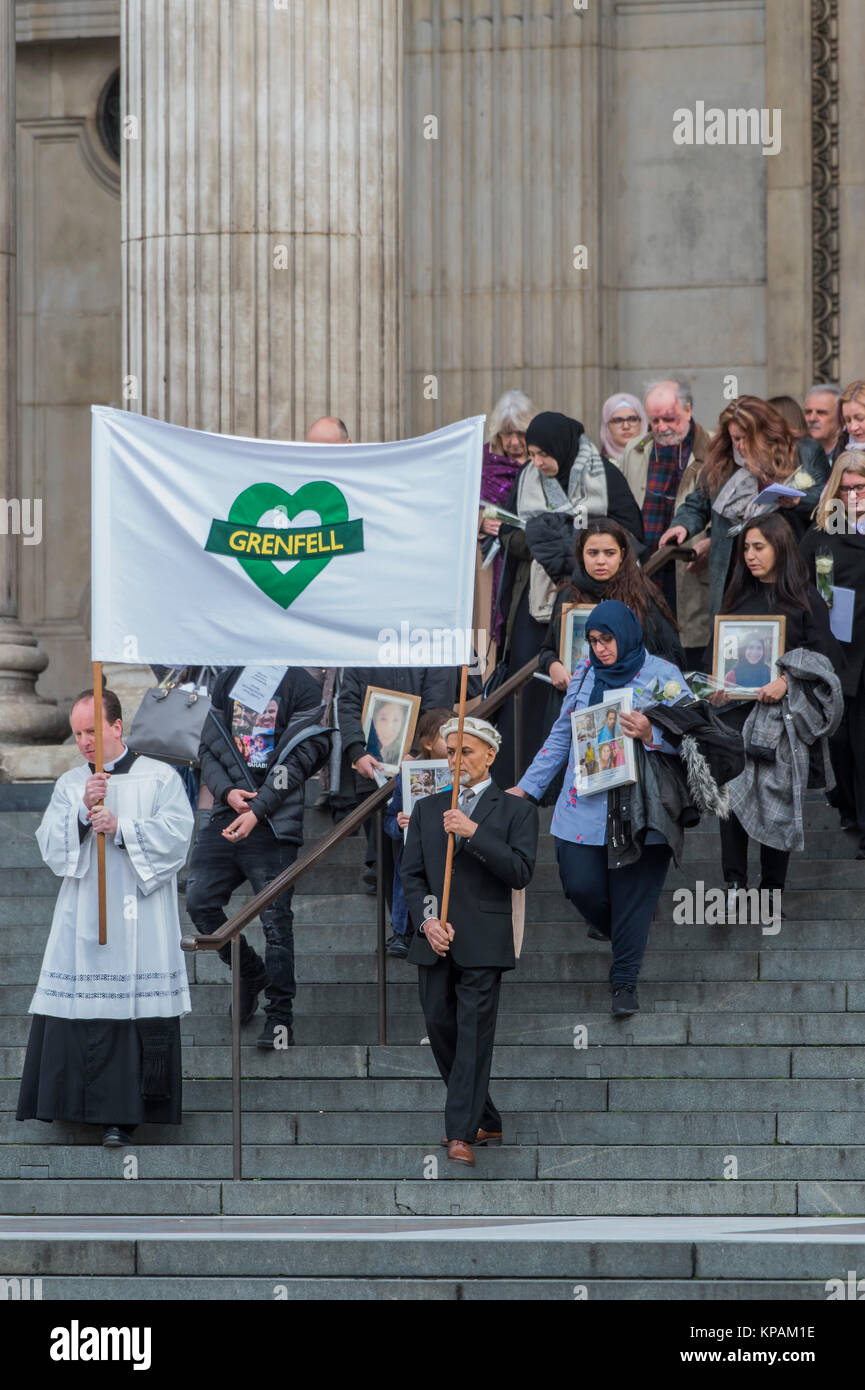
23,715
261,213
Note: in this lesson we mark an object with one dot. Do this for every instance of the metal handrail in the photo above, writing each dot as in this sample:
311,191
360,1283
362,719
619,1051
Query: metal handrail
355,818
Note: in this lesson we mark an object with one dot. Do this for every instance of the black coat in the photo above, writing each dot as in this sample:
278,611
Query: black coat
436,686
301,745
499,856
848,552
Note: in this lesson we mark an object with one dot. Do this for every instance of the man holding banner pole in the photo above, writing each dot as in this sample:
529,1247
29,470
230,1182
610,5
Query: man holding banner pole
461,958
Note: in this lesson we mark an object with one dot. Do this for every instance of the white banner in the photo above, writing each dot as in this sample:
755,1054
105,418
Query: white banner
195,537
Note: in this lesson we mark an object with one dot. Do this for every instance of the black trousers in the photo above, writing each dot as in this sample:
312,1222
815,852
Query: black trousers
847,751
619,902
460,1008
734,857
216,869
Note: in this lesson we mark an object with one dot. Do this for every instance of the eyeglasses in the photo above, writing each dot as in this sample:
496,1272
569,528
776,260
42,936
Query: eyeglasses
857,488
624,419
601,641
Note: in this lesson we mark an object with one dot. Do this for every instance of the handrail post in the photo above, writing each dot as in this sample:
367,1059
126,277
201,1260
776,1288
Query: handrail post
381,955
236,1112
518,741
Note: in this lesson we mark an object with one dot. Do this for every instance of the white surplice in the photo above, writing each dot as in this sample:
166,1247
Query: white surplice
141,972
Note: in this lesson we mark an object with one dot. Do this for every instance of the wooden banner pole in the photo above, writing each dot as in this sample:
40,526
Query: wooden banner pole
100,838
455,791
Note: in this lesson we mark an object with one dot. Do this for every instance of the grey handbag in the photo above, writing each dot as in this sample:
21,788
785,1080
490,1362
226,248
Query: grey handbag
169,722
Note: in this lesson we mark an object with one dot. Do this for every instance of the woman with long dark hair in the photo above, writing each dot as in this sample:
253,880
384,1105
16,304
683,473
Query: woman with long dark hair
769,576
604,566
752,447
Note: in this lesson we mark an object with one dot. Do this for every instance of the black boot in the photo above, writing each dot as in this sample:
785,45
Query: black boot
276,1034
250,988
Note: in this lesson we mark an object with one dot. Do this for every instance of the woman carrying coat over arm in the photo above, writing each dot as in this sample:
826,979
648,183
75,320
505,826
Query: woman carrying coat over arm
618,902
770,576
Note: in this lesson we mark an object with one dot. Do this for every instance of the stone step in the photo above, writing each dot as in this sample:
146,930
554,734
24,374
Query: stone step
405,1127
456,1196
527,1030
556,937
577,1251
18,847
408,1127
520,1093
521,996
539,1061
407,1162
34,907
805,873
60,1288
675,967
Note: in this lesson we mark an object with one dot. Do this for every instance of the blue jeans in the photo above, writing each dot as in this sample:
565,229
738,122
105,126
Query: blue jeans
217,868
619,902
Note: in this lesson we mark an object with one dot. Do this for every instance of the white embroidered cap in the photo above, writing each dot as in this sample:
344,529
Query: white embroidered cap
478,728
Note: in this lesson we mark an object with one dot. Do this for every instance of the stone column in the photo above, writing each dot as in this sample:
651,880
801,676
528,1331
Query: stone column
24,716
261,214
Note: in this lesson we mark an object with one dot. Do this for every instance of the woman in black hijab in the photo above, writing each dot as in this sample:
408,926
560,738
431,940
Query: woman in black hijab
567,481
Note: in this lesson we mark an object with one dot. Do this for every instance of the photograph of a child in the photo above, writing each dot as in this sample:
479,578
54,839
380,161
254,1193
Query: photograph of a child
746,650
389,720
604,754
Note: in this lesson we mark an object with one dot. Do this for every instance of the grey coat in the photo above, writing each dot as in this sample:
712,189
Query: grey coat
767,796
697,512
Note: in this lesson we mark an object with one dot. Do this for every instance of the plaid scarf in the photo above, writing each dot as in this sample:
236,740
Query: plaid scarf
667,463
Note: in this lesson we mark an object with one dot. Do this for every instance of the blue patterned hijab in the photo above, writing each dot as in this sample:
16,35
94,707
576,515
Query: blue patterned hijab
620,622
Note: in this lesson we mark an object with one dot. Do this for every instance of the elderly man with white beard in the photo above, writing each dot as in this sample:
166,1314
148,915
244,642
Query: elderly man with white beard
104,1043
662,467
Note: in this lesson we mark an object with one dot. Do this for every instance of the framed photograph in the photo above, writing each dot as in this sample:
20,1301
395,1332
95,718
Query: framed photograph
421,778
745,651
603,754
573,643
389,718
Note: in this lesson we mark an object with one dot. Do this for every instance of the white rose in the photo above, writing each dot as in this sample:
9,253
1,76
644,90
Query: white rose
823,564
802,480
671,690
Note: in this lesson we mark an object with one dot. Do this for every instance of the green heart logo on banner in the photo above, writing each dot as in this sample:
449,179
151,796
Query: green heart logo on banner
251,504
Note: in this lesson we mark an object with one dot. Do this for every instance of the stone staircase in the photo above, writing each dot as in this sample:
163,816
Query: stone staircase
736,1093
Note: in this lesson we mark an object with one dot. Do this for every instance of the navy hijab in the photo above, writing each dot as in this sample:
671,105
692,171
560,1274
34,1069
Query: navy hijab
618,620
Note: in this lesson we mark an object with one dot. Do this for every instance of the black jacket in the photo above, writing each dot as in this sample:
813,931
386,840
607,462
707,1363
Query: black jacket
301,745
436,686
848,553
499,856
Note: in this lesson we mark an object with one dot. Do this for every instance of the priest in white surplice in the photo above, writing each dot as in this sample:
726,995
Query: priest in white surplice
104,1043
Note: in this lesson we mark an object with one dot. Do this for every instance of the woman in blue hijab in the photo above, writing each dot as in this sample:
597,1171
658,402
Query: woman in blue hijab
618,903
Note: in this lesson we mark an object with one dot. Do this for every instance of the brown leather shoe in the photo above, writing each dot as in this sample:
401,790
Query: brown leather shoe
484,1136
460,1152
489,1136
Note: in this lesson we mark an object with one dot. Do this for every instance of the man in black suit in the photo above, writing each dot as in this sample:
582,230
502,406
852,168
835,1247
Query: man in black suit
461,962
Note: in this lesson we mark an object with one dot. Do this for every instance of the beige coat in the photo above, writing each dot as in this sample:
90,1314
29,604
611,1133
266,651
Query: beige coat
692,591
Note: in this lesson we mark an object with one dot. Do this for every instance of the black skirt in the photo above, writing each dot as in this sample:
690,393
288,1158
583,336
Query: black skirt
102,1071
